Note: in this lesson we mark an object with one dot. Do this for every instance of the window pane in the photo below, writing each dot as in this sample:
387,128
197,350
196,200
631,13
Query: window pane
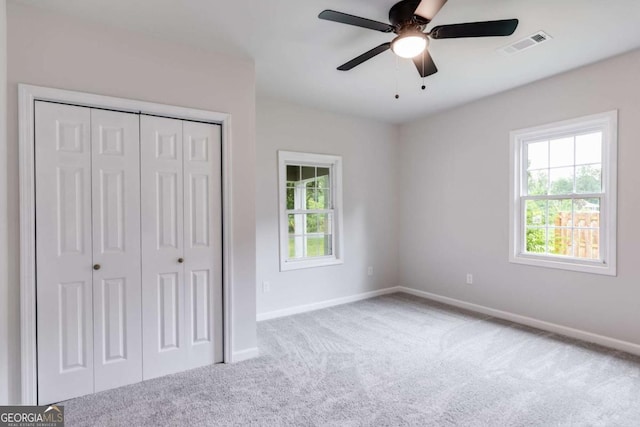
536,238
561,180
292,247
559,241
291,198
324,199
296,223
312,223
587,242
538,182
323,177
561,152
589,179
319,223
319,246
308,172
325,223
538,155
293,175
291,224
296,247
560,212
311,199
586,213
309,235
536,212
589,148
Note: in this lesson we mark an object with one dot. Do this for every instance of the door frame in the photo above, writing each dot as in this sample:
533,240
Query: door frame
27,95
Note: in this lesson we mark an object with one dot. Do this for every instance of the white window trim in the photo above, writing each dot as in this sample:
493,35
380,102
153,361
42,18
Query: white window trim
335,162
608,122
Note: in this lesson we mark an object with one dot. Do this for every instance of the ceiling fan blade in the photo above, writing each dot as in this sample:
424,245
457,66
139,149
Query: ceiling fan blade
364,57
428,9
504,27
424,64
344,18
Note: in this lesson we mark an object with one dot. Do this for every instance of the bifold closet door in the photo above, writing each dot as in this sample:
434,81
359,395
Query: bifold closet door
117,321
164,351
87,217
203,242
64,272
181,245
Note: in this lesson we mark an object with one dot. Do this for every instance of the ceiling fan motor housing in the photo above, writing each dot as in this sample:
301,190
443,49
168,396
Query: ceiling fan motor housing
402,13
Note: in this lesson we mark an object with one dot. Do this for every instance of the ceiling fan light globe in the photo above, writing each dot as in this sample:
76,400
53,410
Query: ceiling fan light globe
409,46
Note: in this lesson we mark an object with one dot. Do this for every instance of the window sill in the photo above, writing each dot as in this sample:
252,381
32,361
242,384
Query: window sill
564,264
309,263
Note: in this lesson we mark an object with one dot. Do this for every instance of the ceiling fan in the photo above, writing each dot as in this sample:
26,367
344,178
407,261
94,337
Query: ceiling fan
408,20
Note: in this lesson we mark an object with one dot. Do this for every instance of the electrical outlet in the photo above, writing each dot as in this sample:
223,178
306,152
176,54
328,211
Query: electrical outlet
369,271
469,279
266,287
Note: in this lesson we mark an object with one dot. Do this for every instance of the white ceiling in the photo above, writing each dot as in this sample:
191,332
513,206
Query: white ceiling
296,54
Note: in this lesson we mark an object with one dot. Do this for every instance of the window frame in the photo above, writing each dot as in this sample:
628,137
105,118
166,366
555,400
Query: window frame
334,163
607,123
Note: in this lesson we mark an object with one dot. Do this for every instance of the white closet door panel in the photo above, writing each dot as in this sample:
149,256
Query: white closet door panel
64,252
163,291
116,249
203,242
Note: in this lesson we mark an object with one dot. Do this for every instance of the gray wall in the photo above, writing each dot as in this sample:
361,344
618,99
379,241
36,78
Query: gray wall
455,212
370,154
50,50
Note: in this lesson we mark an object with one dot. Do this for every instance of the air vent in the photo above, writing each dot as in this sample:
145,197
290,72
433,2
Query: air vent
526,43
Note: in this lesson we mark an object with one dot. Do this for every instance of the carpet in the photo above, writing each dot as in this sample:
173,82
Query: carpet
395,360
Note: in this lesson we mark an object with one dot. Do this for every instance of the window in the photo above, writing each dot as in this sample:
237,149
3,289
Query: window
310,188
563,195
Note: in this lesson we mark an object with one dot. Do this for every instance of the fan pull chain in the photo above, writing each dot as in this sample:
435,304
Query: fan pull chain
397,68
423,59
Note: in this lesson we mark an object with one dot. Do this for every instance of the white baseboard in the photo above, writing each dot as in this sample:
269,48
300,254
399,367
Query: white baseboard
246,354
324,304
614,343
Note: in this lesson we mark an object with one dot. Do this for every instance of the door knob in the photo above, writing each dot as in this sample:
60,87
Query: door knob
96,266
180,260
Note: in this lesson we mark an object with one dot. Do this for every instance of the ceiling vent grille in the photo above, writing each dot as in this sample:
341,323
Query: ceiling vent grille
526,43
